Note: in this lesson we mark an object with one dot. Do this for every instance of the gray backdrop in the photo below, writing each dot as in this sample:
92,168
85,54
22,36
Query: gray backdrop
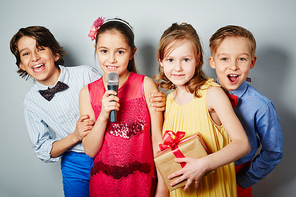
272,23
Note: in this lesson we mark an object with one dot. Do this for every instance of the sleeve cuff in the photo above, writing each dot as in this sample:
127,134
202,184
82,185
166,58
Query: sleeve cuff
44,153
243,180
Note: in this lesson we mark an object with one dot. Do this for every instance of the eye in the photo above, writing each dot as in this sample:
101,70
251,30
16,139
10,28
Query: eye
186,59
242,59
41,49
104,51
170,60
224,59
26,53
120,52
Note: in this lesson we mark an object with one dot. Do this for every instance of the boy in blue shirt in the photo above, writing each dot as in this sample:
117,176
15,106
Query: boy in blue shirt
233,55
51,106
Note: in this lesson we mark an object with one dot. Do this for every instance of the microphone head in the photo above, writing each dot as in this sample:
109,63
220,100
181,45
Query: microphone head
112,79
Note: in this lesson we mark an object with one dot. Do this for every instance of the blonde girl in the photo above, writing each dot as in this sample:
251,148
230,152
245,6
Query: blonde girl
197,104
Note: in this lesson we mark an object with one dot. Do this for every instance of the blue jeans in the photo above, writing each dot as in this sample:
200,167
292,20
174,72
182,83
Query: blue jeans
76,174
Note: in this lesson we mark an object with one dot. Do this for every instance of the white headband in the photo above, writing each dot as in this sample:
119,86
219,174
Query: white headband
118,20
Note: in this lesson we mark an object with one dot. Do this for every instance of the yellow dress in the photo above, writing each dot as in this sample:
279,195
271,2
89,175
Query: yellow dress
194,117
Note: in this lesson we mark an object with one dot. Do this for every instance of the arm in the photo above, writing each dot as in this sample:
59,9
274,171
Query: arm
40,134
45,146
83,126
156,118
271,137
221,111
92,143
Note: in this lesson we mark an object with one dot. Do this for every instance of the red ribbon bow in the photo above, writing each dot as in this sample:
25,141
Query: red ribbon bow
171,140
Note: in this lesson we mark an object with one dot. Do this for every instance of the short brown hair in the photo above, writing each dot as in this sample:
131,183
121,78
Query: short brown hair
231,31
176,34
43,38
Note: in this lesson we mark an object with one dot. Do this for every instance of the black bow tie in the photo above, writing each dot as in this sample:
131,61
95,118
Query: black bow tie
49,93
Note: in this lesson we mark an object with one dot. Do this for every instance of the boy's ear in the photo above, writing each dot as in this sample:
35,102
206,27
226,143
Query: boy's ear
212,62
21,66
56,57
253,62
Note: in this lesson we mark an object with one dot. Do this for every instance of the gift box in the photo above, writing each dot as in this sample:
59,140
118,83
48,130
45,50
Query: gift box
173,146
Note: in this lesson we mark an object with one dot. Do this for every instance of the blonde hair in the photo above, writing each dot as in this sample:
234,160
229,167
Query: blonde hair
171,39
231,31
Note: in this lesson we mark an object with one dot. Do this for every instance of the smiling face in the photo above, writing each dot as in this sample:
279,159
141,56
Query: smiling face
179,66
114,53
38,61
232,62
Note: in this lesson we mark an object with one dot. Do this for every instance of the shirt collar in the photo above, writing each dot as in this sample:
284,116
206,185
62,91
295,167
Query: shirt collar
239,91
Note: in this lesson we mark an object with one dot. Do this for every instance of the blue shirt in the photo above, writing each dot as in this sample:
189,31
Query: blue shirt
49,121
258,117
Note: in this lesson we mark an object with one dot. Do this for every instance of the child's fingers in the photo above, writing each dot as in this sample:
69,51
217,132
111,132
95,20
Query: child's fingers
196,183
178,180
109,92
160,109
176,174
157,104
111,98
182,160
157,97
188,183
83,118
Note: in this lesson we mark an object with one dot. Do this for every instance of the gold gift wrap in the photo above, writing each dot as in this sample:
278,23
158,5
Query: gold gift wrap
192,146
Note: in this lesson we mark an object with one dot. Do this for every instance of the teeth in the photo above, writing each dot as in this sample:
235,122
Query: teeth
111,67
233,75
37,66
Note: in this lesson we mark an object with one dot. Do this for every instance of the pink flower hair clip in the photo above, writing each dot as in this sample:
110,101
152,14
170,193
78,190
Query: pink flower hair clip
95,27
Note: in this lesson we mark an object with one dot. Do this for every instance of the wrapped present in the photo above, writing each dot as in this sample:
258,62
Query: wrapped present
173,147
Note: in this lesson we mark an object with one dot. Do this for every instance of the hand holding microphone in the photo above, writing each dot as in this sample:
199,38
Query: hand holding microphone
112,84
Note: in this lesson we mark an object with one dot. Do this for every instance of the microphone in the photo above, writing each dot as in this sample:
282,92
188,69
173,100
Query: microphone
112,84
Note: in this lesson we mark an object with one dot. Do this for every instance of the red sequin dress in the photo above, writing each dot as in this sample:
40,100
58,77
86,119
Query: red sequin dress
124,166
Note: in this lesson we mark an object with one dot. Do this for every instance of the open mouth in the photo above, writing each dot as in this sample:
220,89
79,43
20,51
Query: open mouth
233,78
38,68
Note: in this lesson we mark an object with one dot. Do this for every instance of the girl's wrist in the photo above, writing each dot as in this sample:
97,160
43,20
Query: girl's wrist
102,118
206,163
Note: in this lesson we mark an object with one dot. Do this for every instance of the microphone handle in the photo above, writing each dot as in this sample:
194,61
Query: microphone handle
113,113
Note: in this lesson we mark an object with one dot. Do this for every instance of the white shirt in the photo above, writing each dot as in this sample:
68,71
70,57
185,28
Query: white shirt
49,121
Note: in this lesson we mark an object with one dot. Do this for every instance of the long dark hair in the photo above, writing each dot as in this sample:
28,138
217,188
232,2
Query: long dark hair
125,29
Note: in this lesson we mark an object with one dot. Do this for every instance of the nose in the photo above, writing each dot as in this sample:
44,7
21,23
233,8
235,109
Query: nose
35,56
178,66
112,58
233,65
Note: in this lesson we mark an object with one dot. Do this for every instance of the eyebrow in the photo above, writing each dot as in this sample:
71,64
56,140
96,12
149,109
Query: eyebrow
22,50
219,54
26,48
103,47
